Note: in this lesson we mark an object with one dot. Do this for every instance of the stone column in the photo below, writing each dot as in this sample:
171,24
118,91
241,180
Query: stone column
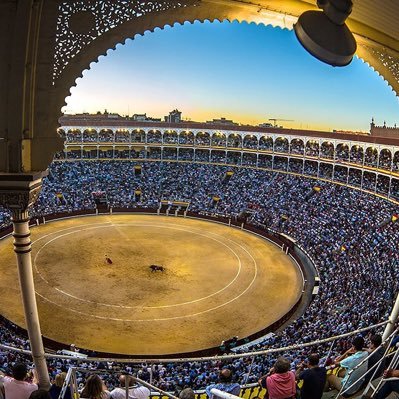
17,193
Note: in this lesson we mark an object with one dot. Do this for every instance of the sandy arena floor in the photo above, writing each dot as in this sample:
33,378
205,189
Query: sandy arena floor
219,282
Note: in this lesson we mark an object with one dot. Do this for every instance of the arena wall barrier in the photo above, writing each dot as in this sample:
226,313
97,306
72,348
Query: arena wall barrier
306,266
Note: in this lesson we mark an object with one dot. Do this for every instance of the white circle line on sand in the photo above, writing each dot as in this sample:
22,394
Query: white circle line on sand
166,318
68,228
142,225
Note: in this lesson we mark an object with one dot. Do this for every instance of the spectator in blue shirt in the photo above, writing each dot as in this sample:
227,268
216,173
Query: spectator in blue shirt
225,384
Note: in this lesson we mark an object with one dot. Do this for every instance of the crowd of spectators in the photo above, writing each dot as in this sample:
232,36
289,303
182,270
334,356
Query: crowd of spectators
349,234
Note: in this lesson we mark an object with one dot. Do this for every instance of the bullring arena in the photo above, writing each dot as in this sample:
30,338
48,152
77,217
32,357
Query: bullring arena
92,274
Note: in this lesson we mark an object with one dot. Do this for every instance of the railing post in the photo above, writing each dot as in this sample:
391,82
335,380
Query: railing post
74,385
127,380
392,319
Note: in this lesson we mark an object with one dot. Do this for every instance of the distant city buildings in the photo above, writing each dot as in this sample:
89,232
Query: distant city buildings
222,121
384,130
266,124
173,117
144,118
353,132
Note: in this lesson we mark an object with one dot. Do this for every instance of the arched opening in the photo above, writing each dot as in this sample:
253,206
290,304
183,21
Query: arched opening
371,156
250,141
357,155
170,137
106,135
203,139
234,140
186,138
122,136
90,136
395,163
385,159
281,145
266,143
218,139
297,146
138,136
154,137
342,152
327,150
312,148
74,136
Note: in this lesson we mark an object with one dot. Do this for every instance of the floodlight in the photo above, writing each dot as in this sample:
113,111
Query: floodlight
325,35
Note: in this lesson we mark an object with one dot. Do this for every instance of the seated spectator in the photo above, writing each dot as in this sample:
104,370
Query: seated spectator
314,378
225,384
389,386
280,381
95,388
40,394
349,361
136,391
56,387
16,387
187,393
377,352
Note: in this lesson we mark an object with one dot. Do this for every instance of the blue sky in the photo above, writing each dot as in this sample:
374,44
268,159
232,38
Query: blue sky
241,71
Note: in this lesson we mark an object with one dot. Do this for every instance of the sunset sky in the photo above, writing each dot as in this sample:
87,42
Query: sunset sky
245,72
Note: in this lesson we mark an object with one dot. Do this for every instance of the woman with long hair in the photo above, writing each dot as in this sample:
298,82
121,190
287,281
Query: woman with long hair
56,387
94,388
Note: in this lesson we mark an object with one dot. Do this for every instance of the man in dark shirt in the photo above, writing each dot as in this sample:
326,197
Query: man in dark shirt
389,386
314,378
377,354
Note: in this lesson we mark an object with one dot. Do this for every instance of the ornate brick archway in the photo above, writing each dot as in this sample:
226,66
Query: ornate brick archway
46,44
51,42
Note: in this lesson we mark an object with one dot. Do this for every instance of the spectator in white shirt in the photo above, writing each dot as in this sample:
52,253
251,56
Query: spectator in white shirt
135,391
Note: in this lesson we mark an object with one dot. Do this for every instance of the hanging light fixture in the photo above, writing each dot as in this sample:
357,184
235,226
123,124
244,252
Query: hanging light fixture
325,35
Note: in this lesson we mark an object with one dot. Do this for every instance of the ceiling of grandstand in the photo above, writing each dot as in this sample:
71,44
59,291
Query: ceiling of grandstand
375,17
374,23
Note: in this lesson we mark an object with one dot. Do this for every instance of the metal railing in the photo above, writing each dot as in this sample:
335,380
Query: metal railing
386,344
71,382
247,391
204,358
